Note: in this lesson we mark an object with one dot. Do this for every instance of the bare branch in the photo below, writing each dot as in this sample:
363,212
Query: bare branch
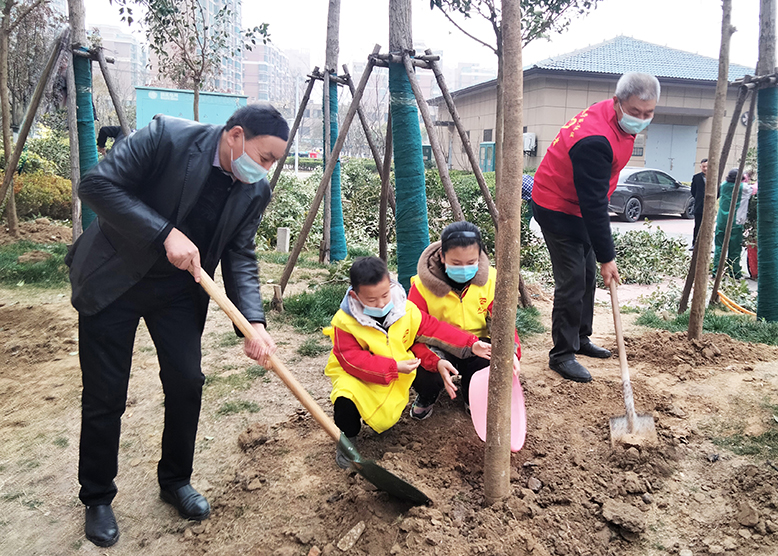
476,39
25,13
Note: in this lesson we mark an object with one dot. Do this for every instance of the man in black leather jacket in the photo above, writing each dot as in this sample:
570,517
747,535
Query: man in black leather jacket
172,200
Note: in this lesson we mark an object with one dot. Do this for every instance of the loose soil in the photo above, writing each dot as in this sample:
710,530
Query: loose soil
269,470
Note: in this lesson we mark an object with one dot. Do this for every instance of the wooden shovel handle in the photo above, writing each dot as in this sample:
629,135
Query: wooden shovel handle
629,399
283,373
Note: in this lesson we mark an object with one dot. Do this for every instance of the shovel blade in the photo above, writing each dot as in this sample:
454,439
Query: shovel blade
380,477
643,431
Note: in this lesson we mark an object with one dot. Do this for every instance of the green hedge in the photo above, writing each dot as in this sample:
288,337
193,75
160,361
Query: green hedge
42,194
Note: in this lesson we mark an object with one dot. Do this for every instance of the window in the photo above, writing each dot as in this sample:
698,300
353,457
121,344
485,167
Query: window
642,177
664,179
637,151
487,135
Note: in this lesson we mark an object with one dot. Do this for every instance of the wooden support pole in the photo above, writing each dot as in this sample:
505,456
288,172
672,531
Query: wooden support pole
293,133
75,162
714,298
328,169
440,158
60,44
386,189
465,141
368,135
109,82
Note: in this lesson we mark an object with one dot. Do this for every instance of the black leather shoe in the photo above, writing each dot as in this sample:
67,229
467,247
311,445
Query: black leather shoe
592,350
571,370
100,525
189,503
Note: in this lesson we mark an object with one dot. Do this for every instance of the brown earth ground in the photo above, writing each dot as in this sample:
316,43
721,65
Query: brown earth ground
278,492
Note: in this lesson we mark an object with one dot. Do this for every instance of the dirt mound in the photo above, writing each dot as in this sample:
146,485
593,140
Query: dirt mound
41,230
673,351
34,334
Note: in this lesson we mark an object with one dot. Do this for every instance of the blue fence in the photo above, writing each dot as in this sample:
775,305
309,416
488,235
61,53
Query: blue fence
215,108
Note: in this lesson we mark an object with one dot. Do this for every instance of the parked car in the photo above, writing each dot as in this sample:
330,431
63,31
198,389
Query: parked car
642,191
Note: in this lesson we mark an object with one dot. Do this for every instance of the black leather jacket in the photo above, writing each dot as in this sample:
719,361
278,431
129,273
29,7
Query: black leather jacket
152,179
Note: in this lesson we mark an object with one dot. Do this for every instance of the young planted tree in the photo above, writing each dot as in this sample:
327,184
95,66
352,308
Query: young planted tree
190,41
13,13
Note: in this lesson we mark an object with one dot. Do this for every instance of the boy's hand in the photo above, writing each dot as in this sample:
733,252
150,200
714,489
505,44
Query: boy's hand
446,369
482,349
408,366
516,365
260,349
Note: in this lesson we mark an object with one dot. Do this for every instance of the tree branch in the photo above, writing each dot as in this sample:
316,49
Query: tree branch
476,39
25,13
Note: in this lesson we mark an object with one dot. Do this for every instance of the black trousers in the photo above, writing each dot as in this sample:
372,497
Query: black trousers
347,417
697,223
575,280
174,309
429,384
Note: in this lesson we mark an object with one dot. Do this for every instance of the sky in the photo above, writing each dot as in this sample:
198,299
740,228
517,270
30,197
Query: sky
691,25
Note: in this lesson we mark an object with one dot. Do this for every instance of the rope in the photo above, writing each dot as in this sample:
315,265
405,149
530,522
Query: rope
767,200
411,215
734,307
87,144
338,247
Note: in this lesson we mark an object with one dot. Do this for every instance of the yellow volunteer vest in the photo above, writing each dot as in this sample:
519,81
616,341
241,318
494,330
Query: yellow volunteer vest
379,405
468,313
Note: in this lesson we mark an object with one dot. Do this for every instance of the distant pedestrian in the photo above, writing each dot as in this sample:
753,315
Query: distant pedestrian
736,236
698,192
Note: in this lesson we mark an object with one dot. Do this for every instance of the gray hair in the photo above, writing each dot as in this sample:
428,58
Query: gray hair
642,85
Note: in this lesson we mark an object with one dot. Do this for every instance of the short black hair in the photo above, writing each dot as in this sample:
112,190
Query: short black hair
367,271
732,175
703,160
460,234
259,119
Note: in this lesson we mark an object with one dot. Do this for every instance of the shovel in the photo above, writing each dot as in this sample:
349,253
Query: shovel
370,470
631,428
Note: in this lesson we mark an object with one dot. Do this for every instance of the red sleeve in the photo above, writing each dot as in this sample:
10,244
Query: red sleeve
516,340
359,362
429,360
418,299
444,336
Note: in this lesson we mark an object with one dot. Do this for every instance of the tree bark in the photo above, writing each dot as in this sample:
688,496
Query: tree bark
705,236
497,457
324,248
11,218
767,138
75,166
196,104
440,158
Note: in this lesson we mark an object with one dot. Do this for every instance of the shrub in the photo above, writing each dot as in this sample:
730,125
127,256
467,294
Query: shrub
54,149
290,205
42,194
311,311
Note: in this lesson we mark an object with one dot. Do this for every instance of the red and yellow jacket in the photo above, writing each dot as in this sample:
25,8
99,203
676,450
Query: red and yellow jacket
471,311
363,362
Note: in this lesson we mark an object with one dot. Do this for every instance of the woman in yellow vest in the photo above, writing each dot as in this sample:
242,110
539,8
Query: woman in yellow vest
378,341
454,284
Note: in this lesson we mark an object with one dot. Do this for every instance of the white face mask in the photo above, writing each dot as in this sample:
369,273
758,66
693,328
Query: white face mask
245,168
631,124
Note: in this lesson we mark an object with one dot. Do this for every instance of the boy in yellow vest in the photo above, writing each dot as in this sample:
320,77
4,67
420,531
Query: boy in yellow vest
378,342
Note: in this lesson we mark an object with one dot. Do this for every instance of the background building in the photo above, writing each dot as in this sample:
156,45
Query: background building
557,89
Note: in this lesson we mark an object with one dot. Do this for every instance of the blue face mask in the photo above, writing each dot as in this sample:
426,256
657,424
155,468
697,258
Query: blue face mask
461,274
246,169
378,312
631,124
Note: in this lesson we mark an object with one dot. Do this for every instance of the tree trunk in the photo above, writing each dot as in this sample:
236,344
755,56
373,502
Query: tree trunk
75,166
411,215
767,158
497,457
196,105
11,218
705,236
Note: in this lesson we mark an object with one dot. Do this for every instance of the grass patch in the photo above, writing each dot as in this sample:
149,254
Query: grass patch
311,348
61,442
221,385
305,260
739,327
229,339
256,371
49,273
311,311
239,406
528,321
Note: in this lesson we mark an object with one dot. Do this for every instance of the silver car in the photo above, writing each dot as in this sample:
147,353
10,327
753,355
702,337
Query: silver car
642,191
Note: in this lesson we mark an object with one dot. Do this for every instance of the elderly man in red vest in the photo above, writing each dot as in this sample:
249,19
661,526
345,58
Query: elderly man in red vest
570,203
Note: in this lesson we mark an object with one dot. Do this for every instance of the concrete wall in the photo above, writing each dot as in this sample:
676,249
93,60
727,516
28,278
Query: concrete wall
549,102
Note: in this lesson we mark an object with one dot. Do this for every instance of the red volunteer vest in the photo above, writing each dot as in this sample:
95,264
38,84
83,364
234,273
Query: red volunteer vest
554,188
